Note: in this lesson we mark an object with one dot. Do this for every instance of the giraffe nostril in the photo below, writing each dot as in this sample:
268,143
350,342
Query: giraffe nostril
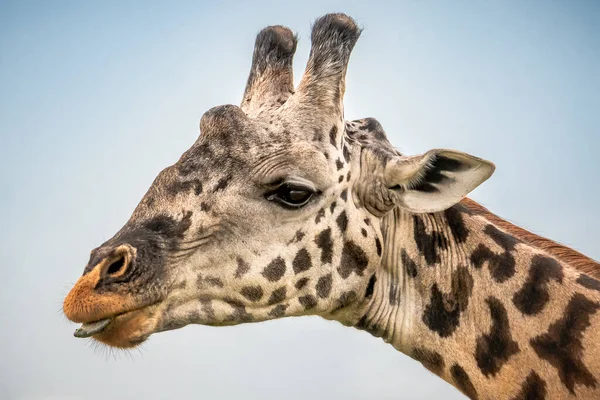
117,262
116,267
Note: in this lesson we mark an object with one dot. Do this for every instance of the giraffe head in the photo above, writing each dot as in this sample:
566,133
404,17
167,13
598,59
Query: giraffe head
274,211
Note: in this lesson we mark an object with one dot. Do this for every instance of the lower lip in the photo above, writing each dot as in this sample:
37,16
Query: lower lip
92,328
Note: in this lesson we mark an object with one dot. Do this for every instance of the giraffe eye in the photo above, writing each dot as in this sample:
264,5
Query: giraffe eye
290,195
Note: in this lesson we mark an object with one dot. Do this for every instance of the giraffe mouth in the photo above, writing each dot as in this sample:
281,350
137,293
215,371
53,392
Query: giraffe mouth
89,329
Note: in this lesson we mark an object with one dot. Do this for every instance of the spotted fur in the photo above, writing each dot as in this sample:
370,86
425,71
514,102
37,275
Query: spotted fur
495,348
561,345
282,208
533,388
502,266
534,295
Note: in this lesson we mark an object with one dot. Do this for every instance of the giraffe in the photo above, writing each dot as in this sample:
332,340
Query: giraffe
282,208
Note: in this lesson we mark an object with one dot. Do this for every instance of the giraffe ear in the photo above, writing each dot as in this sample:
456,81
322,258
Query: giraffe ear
434,181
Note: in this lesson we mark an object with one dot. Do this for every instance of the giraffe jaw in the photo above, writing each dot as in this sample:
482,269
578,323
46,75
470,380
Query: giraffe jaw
125,330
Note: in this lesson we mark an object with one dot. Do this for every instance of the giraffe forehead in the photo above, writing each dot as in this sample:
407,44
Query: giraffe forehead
227,124
260,159
232,144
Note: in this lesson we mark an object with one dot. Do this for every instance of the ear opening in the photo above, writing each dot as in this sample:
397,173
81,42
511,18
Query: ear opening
436,180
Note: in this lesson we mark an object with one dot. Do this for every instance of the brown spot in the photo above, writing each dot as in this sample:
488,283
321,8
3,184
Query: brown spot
242,267
378,246
344,194
342,221
308,301
588,282
213,281
442,314
222,184
277,296
239,314
324,286
333,136
561,345
177,187
462,287
301,283
463,382
502,266
319,216
297,237
533,296
354,260
370,286
363,231
456,224
346,153
278,311
302,262
324,242
252,293
494,349
428,244
432,360
275,270
533,388
410,267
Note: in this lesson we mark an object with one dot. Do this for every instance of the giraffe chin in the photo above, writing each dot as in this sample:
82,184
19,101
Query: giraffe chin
127,330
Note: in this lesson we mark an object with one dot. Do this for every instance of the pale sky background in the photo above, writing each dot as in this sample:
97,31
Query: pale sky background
97,98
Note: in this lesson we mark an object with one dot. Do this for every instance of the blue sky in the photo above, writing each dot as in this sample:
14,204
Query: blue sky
97,97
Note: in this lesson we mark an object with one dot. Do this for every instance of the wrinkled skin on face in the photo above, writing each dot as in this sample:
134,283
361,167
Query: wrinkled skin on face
274,211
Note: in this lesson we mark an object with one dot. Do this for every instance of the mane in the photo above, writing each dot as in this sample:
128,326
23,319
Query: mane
563,253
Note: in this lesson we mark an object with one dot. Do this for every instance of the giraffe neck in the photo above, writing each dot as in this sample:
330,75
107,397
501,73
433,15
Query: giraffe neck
489,313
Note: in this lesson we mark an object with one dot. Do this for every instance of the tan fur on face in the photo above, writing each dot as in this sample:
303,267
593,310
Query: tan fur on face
84,304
